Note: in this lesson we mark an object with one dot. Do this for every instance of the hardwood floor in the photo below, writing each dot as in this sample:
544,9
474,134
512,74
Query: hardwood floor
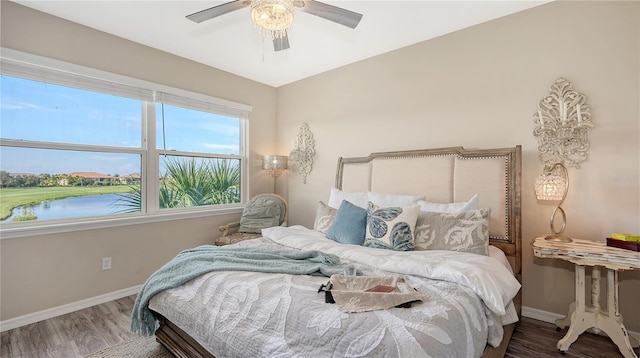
89,330
76,334
533,338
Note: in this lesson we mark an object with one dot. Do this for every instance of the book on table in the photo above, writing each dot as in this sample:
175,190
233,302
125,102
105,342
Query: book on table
623,244
625,237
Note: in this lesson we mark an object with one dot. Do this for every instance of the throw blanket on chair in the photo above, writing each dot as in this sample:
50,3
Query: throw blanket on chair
192,263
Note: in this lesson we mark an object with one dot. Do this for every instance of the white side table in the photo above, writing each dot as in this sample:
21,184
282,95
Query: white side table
580,318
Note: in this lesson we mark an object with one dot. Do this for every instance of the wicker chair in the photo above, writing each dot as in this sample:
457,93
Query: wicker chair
262,211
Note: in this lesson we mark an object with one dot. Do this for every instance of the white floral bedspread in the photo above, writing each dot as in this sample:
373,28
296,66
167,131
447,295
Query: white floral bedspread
247,314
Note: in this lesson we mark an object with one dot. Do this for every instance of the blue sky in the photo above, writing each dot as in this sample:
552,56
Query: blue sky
37,111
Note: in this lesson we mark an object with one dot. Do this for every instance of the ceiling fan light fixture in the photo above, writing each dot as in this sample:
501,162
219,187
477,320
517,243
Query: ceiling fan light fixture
272,17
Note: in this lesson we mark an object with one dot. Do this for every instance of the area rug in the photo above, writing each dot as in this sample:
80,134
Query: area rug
138,347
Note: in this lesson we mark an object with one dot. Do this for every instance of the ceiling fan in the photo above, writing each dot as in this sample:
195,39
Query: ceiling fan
274,17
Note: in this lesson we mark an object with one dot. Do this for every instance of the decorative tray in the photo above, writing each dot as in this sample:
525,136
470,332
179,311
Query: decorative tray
369,292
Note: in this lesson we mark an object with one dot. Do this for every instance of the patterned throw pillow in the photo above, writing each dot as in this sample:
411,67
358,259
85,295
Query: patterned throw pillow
467,231
392,227
324,217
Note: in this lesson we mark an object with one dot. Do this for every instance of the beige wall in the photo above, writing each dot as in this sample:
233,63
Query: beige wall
43,272
479,88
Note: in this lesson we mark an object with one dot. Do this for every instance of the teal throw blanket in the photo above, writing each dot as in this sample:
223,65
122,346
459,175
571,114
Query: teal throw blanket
192,263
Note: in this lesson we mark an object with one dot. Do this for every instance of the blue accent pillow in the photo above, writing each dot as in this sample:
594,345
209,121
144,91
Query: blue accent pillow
349,225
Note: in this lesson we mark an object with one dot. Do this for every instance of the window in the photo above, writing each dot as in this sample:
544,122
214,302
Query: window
199,163
74,147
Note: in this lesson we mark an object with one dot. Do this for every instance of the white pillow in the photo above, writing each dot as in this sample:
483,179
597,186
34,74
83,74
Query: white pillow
451,208
336,196
389,200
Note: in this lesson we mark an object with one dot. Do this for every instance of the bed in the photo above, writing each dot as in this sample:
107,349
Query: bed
470,302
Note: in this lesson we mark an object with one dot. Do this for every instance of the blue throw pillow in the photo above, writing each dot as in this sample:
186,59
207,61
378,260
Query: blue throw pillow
350,224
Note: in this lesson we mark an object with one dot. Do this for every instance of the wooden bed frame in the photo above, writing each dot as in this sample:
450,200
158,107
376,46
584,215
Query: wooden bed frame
468,172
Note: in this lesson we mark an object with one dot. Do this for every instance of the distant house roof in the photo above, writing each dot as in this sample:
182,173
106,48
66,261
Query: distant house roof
22,174
90,175
132,176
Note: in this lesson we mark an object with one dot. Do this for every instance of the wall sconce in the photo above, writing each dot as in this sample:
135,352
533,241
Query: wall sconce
274,165
562,123
561,126
553,187
302,152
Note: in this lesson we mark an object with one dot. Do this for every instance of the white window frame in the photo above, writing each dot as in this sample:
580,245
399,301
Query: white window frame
28,66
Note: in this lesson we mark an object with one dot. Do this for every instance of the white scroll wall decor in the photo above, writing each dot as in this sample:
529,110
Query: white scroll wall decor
562,123
302,152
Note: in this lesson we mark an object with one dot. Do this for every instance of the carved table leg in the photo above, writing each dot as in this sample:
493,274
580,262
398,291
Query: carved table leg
612,301
580,319
566,320
595,295
611,324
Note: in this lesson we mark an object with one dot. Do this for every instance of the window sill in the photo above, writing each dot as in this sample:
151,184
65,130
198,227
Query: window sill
14,232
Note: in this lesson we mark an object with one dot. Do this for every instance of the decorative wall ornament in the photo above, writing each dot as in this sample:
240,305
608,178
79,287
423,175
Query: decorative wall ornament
562,123
302,152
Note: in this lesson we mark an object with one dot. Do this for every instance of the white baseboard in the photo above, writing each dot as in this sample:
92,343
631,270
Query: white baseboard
64,309
551,317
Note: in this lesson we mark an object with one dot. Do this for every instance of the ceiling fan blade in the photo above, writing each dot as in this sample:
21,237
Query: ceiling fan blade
281,43
333,13
218,10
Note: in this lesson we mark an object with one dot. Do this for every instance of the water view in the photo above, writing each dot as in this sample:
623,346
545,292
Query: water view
56,142
80,206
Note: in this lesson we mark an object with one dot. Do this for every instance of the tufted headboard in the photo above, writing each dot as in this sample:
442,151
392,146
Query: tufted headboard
446,175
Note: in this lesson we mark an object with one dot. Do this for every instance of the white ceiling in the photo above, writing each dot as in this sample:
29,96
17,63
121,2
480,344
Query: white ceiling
232,44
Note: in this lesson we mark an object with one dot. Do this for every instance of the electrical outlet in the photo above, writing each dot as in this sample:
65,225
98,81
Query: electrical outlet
106,263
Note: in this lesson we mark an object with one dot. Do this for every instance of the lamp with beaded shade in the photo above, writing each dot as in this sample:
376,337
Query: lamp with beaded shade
274,165
554,187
